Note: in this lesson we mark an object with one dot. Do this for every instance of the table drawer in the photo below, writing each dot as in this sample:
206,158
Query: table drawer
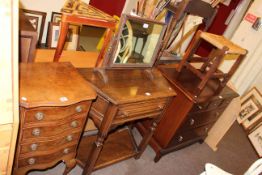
54,129
202,118
47,158
47,114
38,146
141,108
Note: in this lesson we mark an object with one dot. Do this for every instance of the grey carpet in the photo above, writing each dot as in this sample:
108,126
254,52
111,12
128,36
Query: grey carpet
235,154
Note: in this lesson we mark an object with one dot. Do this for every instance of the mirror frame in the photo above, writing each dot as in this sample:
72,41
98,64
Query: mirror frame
111,52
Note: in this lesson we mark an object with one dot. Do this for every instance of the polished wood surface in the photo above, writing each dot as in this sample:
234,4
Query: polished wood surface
79,59
128,85
123,96
78,12
189,117
27,39
59,84
54,103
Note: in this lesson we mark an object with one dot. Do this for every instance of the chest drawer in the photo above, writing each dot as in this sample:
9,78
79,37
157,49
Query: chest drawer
202,118
47,158
44,114
55,129
191,135
36,146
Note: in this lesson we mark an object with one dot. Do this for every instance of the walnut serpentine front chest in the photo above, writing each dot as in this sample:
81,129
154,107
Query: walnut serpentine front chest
54,103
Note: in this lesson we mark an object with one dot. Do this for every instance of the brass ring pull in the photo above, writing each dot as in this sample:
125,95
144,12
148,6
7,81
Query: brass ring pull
39,116
79,109
36,132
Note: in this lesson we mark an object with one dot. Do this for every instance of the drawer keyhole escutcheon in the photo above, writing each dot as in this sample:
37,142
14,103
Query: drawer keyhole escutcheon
31,161
192,121
180,138
36,132
79,109
206,129
66,151
39,116
33,146
69,138
74,124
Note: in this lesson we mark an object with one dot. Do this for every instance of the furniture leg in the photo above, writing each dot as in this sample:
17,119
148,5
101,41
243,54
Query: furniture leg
158,157
98,144
147,137
69,166
61,41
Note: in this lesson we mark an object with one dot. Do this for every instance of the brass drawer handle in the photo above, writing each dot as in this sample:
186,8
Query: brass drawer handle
39,116
69,138
200,107
33,146
31,161
220,97
180,138
79,109
192,121
66,151
74,124
36,132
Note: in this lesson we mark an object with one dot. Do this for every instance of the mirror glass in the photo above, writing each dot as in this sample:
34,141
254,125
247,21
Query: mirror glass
137,42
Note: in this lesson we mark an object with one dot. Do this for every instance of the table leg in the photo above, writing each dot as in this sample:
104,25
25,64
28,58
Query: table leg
102,134
143,144
61,41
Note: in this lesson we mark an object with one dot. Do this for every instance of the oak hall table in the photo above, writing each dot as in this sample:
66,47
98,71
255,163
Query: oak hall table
124,96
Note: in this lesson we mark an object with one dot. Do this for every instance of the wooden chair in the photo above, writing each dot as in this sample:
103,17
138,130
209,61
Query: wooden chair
209,69
186,7
78,12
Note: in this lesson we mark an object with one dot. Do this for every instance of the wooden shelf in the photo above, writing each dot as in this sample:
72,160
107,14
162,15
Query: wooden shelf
119,145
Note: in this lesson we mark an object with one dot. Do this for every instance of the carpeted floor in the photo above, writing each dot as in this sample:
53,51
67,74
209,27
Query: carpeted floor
235,154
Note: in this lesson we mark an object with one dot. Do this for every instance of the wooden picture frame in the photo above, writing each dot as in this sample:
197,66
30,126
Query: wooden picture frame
255,138
37,19
56,17
251,108
72,39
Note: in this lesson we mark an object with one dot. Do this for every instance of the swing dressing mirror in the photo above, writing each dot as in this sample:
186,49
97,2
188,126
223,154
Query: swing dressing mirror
136,43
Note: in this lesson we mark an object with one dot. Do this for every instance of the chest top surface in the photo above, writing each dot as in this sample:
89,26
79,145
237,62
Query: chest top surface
128,85
52,84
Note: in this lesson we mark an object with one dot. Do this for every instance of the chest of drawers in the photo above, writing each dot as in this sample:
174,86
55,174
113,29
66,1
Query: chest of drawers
189,117
54,103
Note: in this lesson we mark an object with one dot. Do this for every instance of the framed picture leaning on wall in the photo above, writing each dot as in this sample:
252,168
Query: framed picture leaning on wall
71,40
251,108
56,17
37,19
255,138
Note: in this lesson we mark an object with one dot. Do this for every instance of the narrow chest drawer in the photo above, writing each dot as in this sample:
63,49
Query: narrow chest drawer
51,157
202,118
56,129
191,135
141,108
40,146
47,114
